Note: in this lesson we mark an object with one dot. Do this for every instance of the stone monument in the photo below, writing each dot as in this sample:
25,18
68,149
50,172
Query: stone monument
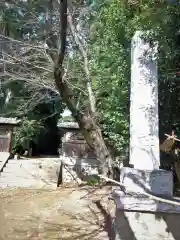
144,176
144,121
147,189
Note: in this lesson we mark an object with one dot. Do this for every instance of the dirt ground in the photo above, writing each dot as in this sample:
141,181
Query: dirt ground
65,213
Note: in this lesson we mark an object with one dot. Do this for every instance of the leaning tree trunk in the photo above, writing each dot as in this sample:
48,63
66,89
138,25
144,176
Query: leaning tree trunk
177,170
89,127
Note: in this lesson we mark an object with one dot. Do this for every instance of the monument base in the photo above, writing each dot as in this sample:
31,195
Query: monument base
133,225
158,182
142,203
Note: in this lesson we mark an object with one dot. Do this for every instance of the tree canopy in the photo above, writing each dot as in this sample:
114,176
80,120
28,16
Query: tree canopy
82,60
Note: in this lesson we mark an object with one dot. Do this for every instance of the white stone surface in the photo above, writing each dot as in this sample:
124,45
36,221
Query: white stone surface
76,169
36,173
34,185
144,130
146,226
145,204
22,168
159,182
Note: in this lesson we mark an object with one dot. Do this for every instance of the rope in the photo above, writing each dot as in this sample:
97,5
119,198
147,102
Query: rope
163,200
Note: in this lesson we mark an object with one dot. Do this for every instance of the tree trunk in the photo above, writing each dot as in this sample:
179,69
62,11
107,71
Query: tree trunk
90,129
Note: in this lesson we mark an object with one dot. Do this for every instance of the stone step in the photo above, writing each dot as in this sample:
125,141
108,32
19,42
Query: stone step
26,176
32,161
20,174
4,186
9,185
27,185
32,164
32,170
22,180
22,164
19,179
22,168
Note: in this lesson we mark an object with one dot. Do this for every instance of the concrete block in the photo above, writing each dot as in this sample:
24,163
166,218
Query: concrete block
143,203
146,226
158,182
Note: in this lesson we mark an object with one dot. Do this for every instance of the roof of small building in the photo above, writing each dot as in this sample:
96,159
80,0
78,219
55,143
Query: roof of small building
70,125
9,121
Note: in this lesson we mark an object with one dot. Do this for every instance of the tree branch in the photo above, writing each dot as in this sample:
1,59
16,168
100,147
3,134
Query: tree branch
26,44
151,196
91,131
58,65
86,69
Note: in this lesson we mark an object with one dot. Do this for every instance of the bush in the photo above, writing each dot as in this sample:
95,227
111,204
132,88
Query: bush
26,133
93,180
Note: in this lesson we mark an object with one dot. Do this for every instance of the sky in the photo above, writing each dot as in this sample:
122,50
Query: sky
66,113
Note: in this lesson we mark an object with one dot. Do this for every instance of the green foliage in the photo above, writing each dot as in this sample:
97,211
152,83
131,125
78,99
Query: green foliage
163,21
112,24
93,180
32,94
110,69
26,133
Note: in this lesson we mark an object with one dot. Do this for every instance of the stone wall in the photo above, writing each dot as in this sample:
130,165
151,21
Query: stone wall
78,161
76,170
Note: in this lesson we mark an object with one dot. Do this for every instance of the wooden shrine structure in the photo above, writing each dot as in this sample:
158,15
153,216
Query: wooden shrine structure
6,130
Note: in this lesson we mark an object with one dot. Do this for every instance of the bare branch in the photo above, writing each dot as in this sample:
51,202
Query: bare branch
58,65
86,69
23,61
27,44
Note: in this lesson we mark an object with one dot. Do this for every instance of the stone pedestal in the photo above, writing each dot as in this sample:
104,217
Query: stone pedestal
144,218
158,182
139,182
142,203
146,226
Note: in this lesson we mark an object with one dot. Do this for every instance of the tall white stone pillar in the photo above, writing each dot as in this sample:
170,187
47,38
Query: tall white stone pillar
145,176
144,121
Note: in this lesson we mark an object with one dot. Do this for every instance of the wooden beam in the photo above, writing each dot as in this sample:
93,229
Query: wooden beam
172,137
